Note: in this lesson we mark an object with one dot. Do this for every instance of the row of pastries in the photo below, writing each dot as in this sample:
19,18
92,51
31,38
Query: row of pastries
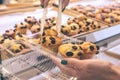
49,39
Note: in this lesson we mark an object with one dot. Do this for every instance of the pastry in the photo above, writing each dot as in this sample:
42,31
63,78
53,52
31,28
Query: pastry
72,20
16,47
30,21
21,28
50,32
71,29
35,28
89,49
6,41
19,36
51,42
70,50
10,33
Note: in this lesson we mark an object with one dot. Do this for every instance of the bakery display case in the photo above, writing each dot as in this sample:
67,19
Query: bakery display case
27,55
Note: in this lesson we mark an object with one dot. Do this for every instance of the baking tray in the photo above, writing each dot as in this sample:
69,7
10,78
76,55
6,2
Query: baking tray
95,7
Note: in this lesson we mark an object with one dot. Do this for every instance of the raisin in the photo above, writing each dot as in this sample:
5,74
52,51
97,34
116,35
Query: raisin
52,40
69,54
79,54
74,47
44,40
91,48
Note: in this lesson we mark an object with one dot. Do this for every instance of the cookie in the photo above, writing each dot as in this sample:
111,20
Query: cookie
21,28
51,42
16,47
70,50
10,33
30,21
90,49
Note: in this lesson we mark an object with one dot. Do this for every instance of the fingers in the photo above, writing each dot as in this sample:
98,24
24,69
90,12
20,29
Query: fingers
44,3
64,3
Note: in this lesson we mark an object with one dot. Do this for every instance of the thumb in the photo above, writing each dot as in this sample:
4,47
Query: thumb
71,62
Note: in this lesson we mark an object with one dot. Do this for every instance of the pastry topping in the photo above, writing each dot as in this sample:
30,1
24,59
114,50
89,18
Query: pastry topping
54,24
15,26
99,26
16,51
21,47
81,42
23,27
80,47
98,47
44,40
21,23
80,31
73,28
91,48
52,40
79,54
80,26
74,47
69,54
62,26
38,29
97,52
20,35
87,23
87,29
43,34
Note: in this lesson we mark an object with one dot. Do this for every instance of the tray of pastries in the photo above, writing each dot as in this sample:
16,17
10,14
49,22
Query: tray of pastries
107,14
81,25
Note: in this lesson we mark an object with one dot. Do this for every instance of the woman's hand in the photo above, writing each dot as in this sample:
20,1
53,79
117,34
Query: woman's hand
44,3
89,69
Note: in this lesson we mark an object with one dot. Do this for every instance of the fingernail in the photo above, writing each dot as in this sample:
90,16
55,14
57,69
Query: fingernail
42,5
64,62
63,9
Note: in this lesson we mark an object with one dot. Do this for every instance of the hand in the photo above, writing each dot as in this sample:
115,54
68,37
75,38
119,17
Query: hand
89,69
44,3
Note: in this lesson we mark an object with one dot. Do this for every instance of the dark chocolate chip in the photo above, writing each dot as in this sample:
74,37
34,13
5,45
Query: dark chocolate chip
74,47
98,47
38,29
80,31
69,54
30,22
80,47
91,48
80,26
87,23
16,51
20,35
52,40
79,54
7,31
15,26
62,26
97,52
43,34
44,40
81,42
21,47
87,29
72,42
21,23
73,28
54,24
99,26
